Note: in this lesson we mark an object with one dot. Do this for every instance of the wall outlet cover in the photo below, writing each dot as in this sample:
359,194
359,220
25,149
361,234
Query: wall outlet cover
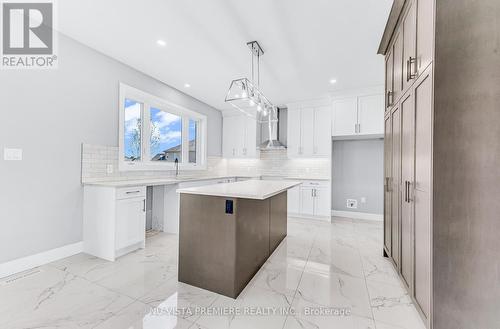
109,168
352,203
363,200
12,154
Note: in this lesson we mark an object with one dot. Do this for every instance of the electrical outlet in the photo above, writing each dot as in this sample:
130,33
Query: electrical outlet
352,203
363,199
12,154
109,168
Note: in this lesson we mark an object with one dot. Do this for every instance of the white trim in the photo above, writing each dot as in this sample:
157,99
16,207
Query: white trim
29,262
302,216
358,215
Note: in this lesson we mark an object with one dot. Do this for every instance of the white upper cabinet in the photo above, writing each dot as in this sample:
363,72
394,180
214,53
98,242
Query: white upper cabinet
371,115
239,137
309,132
345,118
358,116
322,130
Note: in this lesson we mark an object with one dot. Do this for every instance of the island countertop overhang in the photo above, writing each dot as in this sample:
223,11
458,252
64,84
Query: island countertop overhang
250,189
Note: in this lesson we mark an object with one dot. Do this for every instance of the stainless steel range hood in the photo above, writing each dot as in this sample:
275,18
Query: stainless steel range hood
272,130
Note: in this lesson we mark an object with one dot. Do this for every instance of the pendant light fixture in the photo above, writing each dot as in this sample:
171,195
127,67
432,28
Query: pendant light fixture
245,95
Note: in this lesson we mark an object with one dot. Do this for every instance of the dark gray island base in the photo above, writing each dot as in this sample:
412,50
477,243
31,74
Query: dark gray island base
221,251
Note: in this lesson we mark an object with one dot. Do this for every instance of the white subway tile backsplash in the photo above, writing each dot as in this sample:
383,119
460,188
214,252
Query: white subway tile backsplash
95,158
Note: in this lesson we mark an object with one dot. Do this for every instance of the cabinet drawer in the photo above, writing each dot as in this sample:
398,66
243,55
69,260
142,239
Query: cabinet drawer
315,184
130,192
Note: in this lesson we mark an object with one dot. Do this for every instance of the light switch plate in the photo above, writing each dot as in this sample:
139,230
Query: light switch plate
12,154
109,168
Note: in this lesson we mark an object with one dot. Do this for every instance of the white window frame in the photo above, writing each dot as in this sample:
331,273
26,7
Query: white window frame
150,101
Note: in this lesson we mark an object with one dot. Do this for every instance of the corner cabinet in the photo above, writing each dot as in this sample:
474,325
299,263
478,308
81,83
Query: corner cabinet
309,131
239,137
358,116
408,151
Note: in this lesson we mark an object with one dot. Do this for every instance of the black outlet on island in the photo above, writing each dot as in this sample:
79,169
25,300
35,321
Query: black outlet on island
229,206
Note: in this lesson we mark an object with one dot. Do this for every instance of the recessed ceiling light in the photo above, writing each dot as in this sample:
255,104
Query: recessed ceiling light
161,43
187,85
332,81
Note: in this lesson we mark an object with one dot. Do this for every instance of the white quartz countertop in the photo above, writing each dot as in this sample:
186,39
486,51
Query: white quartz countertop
159,181
250,189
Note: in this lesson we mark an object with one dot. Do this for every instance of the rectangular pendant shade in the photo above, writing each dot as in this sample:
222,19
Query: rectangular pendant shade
247,98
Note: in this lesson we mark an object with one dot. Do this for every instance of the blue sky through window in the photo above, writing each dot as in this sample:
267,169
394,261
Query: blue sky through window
166,135
133,130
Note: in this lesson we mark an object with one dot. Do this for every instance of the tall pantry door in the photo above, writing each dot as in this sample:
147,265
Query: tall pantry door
407,172
396,186
388,185
422,190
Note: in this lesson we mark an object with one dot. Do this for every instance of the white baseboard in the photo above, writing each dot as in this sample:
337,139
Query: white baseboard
358,215
29,262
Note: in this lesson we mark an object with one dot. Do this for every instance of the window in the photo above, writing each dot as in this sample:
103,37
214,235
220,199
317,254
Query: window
165,136
193,126
154,133
133,130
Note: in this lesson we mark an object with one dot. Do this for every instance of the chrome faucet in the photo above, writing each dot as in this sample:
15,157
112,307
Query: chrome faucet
176,167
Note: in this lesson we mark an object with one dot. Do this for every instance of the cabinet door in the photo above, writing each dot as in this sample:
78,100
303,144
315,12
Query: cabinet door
228,145
371,115
389,79
130,222
322,202
387,185
345,117
407,170
306,201
398,65
395,187
250,147
307,131
322,132
293,202
233,137
425,33
422,191
293,133
409,45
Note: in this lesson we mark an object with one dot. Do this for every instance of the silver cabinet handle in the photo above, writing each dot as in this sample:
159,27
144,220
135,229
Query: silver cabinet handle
390,98
144,205
406,191
409,64
409,192
387,188
132,192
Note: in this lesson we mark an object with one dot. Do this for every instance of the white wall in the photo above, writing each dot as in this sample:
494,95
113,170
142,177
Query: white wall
358,171
49,113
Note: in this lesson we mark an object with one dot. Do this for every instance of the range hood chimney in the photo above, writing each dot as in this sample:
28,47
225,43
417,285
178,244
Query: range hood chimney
273,127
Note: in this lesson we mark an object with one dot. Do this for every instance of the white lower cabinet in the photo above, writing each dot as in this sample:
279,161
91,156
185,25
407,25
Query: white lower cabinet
130,221
310,199
114,220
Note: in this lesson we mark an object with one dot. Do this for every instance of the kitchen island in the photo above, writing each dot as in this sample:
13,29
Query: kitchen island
227,232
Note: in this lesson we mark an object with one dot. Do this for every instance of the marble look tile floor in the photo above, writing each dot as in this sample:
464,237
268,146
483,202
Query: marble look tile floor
323,275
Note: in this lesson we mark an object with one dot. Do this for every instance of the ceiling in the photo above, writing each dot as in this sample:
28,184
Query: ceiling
306,42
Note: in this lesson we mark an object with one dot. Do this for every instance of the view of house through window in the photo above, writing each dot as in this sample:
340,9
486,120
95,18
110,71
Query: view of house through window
132,130
165,136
